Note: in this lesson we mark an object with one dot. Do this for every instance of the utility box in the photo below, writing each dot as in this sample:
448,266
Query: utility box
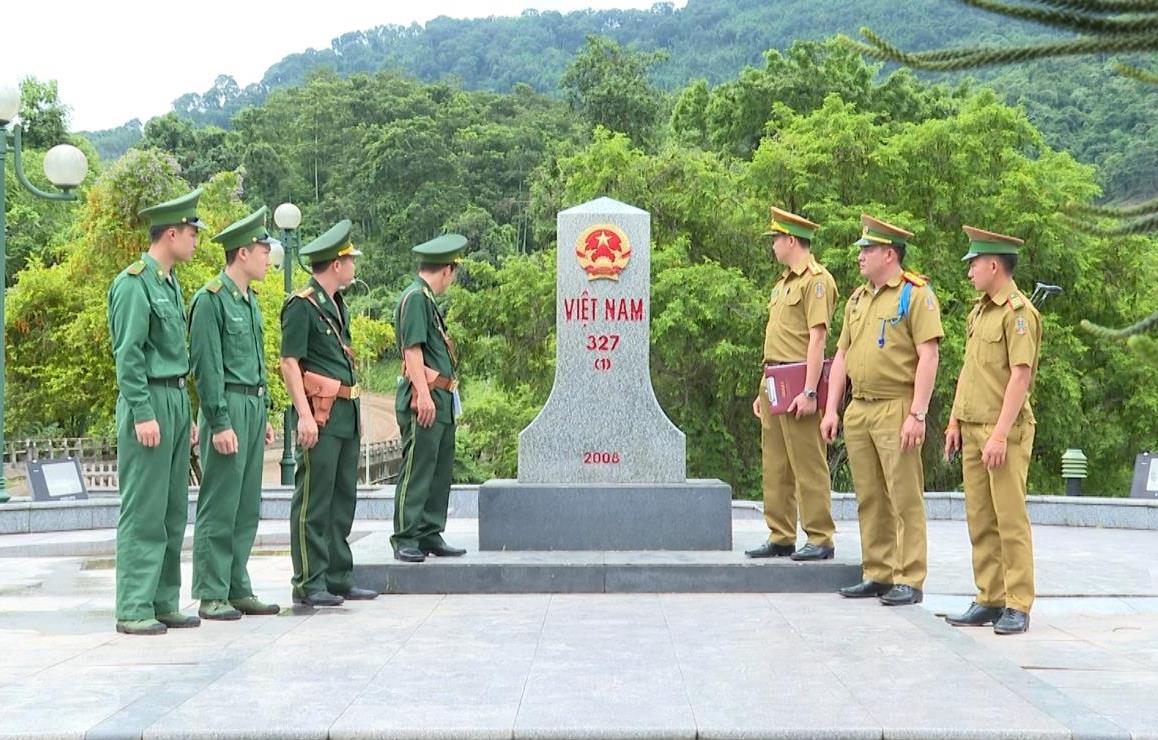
1145,476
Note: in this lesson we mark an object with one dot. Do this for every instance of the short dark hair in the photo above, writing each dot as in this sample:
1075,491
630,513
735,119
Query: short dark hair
900,250
804,242
231,255
319,267
156,232
1008,261
435,266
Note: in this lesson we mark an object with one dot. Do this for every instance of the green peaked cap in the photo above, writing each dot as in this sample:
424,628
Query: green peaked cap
246,231
182,210
989,242
331,245
442,250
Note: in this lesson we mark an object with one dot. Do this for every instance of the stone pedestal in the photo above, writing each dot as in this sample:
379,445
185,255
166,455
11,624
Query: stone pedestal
602,467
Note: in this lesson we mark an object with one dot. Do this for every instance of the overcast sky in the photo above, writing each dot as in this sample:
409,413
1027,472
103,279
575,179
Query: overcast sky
125,59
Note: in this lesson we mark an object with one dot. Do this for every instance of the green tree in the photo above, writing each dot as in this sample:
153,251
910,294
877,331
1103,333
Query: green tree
42,116
607,85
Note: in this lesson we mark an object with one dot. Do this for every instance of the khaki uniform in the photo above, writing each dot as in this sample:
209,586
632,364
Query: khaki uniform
880,344
1002,332
794,458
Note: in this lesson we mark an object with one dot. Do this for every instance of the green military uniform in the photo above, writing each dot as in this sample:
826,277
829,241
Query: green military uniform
423,488
1003,331
794,458
316,331
227,341
147,327
882,328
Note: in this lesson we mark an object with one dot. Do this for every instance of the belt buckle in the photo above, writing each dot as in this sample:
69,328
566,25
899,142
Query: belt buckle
181,382
355,391
260,391
453,385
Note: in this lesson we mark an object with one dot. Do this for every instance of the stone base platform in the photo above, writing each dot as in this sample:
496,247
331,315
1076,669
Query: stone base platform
693,515
593,572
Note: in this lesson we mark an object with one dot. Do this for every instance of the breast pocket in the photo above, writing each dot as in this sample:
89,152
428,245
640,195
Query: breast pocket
168,322
991,346
239,344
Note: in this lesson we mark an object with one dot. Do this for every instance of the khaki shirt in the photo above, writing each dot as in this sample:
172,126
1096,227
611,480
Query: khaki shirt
880,345
1002,332
802,299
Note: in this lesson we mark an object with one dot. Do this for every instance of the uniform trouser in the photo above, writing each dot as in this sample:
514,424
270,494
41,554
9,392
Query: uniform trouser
423,490
890,492
998,521
229,503
795,463
154,488
321,515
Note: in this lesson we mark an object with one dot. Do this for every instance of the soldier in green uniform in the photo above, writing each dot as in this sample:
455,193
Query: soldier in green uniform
317,364
992,424
889,348
226,350
147,327
426,405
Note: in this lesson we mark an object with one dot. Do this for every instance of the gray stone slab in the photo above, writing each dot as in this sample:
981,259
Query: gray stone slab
602,422
689,515
15,518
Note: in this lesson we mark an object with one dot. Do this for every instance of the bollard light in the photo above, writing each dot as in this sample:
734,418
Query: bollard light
1074,471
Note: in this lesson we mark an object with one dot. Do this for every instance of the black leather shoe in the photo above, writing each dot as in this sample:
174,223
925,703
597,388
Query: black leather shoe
902,595
444,550
976,616
813,552
358,594
771,550
864,590
318,598
1012,622
409,555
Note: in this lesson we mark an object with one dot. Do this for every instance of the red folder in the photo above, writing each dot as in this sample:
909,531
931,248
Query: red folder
783,383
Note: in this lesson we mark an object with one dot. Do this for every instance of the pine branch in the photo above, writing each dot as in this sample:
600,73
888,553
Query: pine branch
1080,22
1104,6
1142,75
1145,325
1145,225
988,56
1087,209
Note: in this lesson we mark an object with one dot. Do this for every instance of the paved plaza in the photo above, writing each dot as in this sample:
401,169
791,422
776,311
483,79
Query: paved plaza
598,666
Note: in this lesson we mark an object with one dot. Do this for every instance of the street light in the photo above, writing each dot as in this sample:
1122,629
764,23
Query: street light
65,167
288,218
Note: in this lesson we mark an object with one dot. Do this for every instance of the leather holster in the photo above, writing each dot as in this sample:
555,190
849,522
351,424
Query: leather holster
321,391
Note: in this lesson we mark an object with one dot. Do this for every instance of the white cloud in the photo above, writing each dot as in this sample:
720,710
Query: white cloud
126,59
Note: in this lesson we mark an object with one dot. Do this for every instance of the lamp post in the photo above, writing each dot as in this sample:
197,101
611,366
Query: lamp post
65,167
288,218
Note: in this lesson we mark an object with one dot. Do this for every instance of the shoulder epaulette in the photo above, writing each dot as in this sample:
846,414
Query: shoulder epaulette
914,279
213,285
136,268
815,268
1016,301
305,292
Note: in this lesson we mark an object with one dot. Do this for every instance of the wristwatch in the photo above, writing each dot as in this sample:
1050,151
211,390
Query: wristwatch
918,415
810,394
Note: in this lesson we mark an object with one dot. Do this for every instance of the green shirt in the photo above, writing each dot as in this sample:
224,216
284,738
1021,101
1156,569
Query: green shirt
147,326
307,334
226,345
419,322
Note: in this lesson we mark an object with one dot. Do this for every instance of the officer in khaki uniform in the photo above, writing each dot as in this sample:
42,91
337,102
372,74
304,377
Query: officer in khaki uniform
992,425
226,349
426,405
889,349
147,327
795,465
317,364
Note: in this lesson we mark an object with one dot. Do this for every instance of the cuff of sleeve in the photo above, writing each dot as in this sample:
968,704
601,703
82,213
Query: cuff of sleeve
143,412
220,422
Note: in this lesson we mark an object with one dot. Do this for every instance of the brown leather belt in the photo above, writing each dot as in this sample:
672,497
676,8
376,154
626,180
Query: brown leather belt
447,384
349,391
